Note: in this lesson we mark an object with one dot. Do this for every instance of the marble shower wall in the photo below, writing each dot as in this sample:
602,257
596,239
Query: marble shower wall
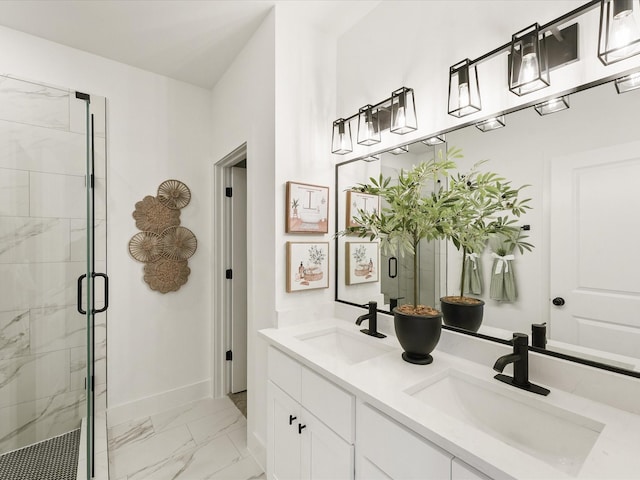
42,253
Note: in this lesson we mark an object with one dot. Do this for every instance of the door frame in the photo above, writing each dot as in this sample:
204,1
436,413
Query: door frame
220,247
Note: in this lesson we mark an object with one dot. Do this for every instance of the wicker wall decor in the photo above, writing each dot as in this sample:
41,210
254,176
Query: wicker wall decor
163,245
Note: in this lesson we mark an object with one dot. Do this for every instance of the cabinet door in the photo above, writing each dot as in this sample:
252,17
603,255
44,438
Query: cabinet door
462,471
325,456
283,439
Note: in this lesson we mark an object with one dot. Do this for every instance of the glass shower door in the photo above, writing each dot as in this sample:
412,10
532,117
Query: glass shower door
87,292
46,231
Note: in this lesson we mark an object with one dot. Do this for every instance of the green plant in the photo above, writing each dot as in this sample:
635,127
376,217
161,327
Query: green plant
484,204
410,213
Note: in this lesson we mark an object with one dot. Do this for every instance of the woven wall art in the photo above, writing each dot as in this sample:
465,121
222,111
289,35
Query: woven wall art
163,245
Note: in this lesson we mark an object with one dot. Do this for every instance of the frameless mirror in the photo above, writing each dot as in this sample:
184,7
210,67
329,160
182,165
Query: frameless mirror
581,280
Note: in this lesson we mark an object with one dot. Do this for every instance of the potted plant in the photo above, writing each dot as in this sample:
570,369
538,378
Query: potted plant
409,215
483,205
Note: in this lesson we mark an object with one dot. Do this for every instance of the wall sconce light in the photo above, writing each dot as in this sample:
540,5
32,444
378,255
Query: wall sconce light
368,126
371,158
464,92
628,83
435,140
552,105
403,111
341,142
400,150
529,66
619,36
492,123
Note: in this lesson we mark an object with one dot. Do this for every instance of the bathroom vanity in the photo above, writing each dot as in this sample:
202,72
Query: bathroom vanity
343,405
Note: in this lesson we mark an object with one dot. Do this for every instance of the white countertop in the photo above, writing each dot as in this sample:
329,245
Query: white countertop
382,381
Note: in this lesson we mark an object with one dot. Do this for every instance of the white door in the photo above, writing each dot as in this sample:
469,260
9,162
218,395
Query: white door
595,249
239,280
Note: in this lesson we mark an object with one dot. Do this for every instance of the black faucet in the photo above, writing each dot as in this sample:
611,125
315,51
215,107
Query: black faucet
520,360
372,316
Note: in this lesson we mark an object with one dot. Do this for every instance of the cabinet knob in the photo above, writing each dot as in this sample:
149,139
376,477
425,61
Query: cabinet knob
558,301
301,427
291,419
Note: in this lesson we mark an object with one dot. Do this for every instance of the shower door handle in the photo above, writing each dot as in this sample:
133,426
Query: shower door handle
106,292
79,300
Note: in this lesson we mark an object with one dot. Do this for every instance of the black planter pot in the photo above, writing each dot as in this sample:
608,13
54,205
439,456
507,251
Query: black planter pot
461,315
418,335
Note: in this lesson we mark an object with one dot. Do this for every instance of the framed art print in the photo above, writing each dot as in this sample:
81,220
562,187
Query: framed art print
360,201
362,262
307,266
307,208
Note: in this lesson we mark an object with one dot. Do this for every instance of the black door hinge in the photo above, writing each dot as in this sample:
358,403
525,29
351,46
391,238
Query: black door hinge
228,192
228,355
228,274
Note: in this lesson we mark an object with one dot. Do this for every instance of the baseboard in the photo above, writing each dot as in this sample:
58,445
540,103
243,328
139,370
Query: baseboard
257,449
160,402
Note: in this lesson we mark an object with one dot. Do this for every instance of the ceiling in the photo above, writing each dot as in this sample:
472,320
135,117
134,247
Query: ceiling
189,40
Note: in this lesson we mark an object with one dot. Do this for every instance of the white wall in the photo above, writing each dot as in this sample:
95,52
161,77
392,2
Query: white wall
157,129
278,97
243,106
305,108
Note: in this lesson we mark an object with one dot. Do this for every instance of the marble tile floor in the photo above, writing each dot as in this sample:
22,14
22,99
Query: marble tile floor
203,440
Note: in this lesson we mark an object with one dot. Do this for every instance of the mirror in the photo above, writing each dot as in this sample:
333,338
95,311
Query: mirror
581,279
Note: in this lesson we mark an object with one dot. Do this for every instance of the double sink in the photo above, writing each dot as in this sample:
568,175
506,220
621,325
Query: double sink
556,436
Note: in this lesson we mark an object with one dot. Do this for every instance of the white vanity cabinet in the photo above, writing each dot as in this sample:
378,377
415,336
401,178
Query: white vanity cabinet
310,424
387,450
462,471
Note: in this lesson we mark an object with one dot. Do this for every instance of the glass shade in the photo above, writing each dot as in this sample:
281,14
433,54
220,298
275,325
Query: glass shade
341,142
435,140
619,33
628,83
368,126
528,65
371,158
492,123
403,111
400,150
553,105
464,92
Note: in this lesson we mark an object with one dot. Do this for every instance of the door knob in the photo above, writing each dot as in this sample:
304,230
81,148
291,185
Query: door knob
558,301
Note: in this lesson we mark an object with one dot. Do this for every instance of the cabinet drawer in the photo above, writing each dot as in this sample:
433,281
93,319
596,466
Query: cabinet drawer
284,371
329,403
397,451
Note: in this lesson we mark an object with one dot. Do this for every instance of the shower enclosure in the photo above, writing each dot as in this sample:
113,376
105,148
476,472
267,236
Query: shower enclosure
53,284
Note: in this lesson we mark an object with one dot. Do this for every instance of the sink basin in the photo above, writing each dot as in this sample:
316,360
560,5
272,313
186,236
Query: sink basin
561,438
348,347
